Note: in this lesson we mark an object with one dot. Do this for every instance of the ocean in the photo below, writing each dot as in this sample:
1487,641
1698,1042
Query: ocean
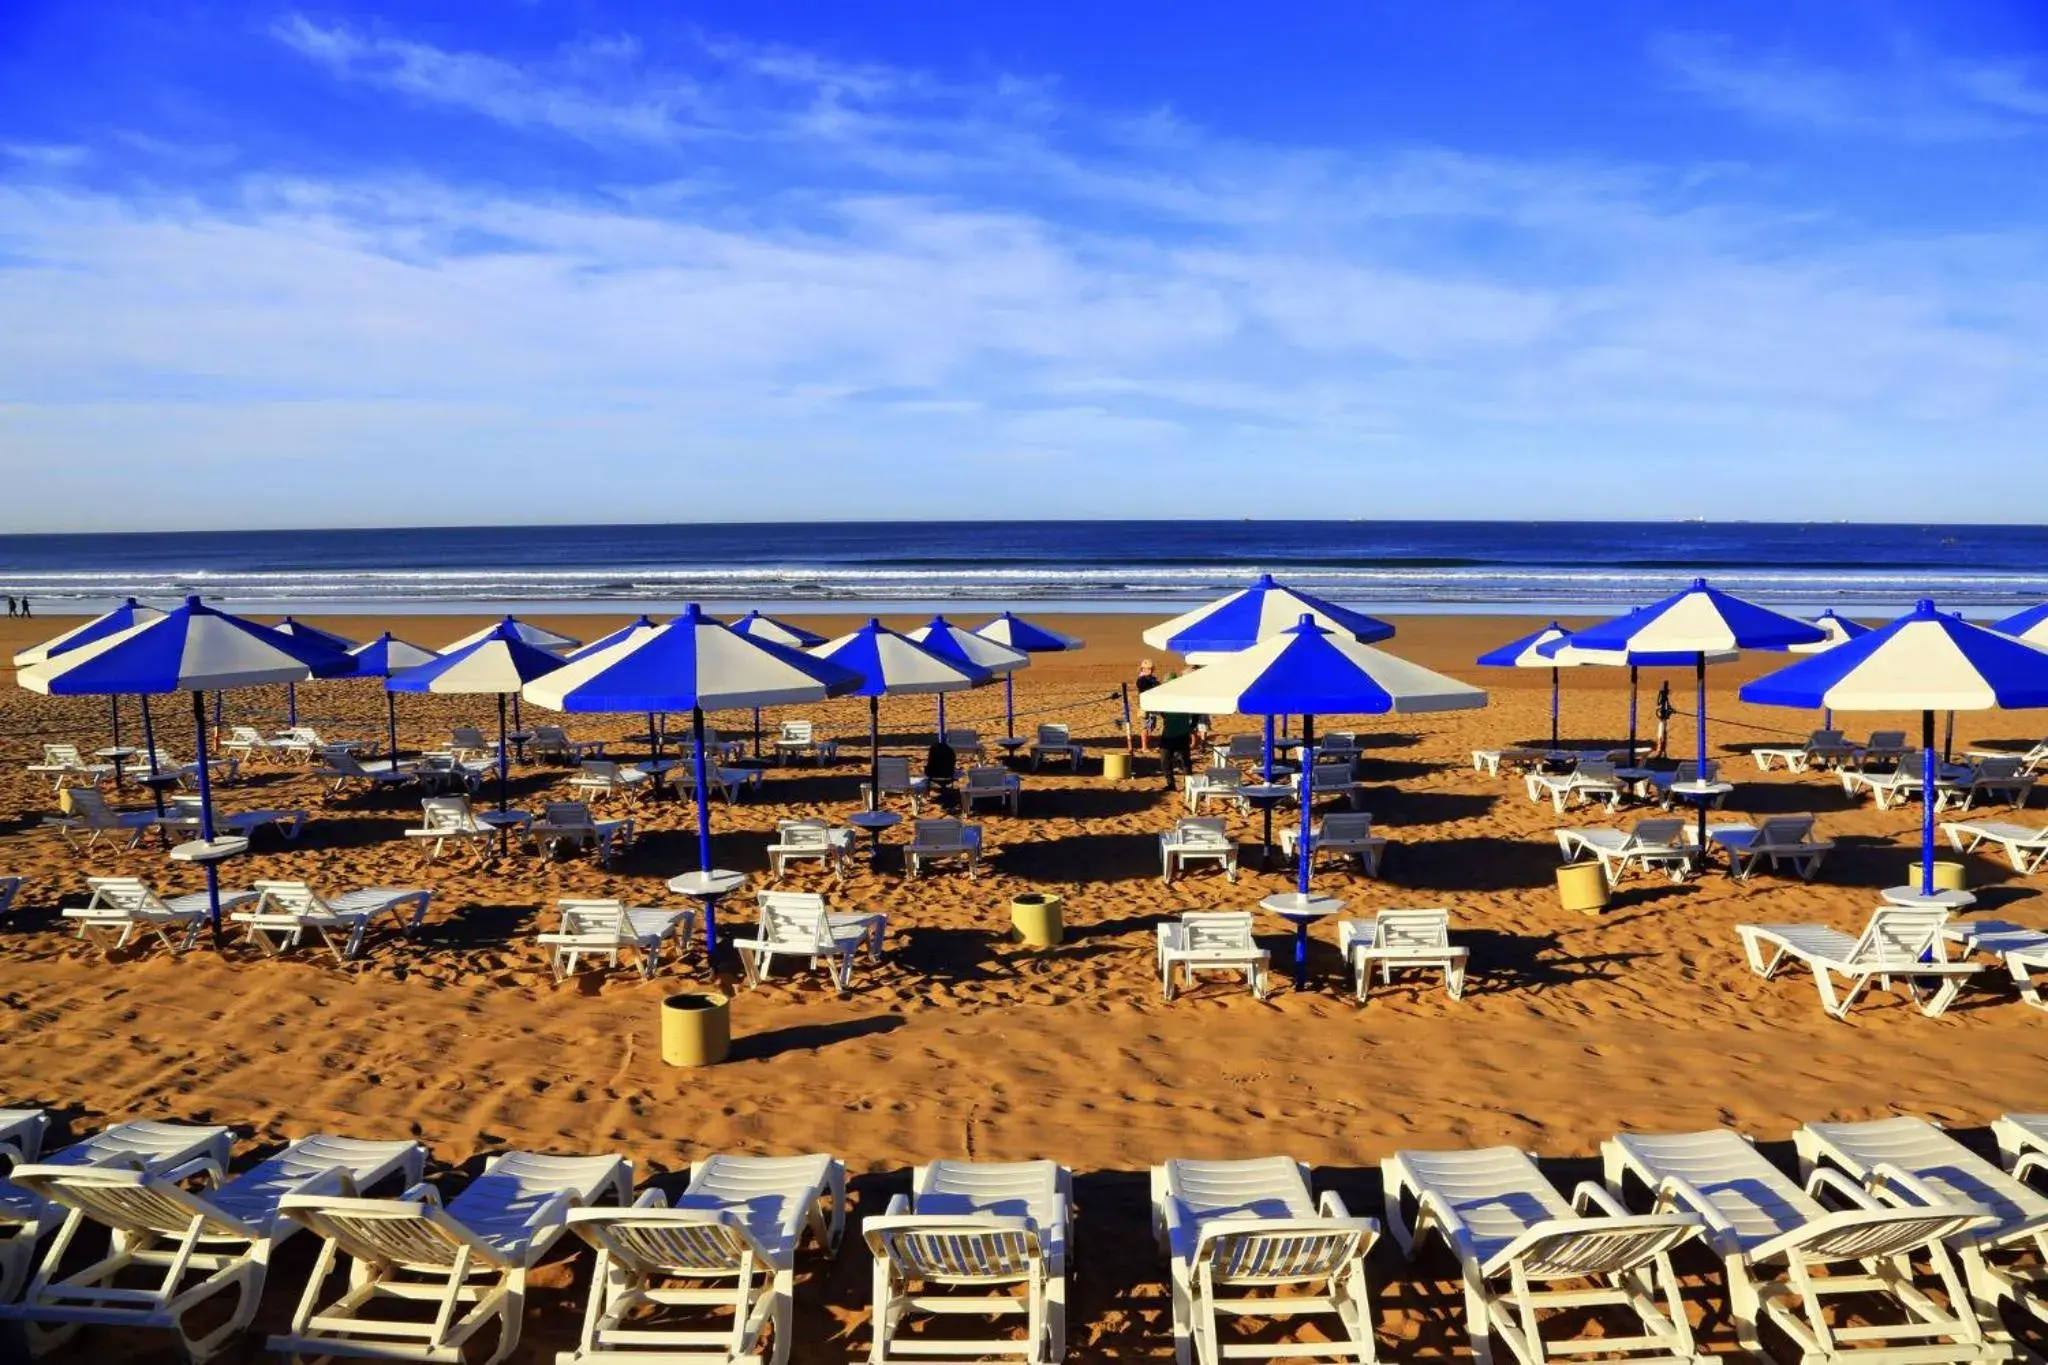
1387,566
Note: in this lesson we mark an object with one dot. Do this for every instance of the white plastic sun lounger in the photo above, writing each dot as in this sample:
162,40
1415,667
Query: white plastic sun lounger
92,817
991,783
1401,940
893,770
184,818
1897,943
732,1238
607,928
796,924
2024,847
1772,1236
339,767
1056,741
1219,783
1512,1231
123,907
1908,1162
552,741
466,1262
800,739
1655,841
933,841
571,823
286,912
65,765
449,820
142,1144
224,1234
1779,839
1591,780
1995,779
2021,951
1196,839
1211,941
1230,1229
1342,833
797,840
973,1226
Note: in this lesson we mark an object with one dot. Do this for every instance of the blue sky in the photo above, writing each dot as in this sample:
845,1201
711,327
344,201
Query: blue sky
277,266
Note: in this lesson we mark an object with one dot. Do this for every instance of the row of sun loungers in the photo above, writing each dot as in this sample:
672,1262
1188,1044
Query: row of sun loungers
1394,940
1878,1209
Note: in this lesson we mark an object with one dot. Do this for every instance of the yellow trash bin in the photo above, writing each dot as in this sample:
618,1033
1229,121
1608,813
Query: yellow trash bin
696,1028
1948,876
1036,918
1582,887
1116,767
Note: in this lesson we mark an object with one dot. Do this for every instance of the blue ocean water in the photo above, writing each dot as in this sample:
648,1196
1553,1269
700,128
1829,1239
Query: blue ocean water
1139,565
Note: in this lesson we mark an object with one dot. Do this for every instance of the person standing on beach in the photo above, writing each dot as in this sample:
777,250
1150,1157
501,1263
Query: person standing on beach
1664,714
10,606
1140,736
24,608
1176,744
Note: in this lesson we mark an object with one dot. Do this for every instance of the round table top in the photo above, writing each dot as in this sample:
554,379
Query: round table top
117,751
1701,788
660,765
874,821
716,882
1294,905
1913,896
503,818
166,778
1010,742
203,851
1256,792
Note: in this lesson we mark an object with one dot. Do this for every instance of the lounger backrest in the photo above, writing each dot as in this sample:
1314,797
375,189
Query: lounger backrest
566,814
1412,929
1217,928
245,734
450,813
1824,739
1055,734
122,893
1887,739
1338,741
1587,1248
1898,935
342,761
286,898
803,834
987,779
594,918
793,918
1784,831
1201,831
1656,831
678,1242
1996,768
1222,775
550,734
1250,1256
1247,746
1689,771
1593,770
797,731
602,767
122,1199
1330,775
963,739
403,1232
62,754
894,771
937,833
1347,826
89,802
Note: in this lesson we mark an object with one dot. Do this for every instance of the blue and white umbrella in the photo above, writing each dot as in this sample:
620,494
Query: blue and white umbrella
775,632
1923,662
2030,625
381,658
299,630
694,664
1840,630
194,649
1309,670
1698,621
1249,615
538,636
1014,632
889,664
961,646
130,613
499,663
1527,652
626,632
1569,654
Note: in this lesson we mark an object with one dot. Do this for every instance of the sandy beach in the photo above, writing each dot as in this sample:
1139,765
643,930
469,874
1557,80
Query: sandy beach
964,1044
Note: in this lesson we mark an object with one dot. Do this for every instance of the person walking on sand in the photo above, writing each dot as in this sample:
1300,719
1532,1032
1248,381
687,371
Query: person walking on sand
24,608
1176,745
1664,714
1140,737
10,606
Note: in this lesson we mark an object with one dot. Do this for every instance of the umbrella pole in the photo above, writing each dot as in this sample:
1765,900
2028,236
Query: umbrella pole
1307,859
1266,775
874,753
156,793
942,717
503,779
757,732
517,723
1010,705
703,829
1553,706
391,723
1927,780
1632,715
1948,735
1699,684
219,713
114,711
291,705
206,813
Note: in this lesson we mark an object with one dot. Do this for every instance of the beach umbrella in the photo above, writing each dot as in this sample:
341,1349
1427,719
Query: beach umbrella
1840,629
775,632
499,663
129,614
1923,662
194,649
1698,621
2030,625
623,633
1309,670
694,664
381,658
1014,632
1527,652
1569,654
962,647
299,630
889,664
528,634
1241,619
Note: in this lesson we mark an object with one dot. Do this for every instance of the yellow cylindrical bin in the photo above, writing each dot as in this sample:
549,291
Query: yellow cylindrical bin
696,1028
1036,918
1948,876
1116,767
1582,887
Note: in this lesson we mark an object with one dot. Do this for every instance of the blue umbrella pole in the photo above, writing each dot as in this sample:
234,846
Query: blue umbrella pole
1266,775
1553,706
704,830
1010,705
156,793
291,704
1927,780
206,812
114,712
1699,684
1307,858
